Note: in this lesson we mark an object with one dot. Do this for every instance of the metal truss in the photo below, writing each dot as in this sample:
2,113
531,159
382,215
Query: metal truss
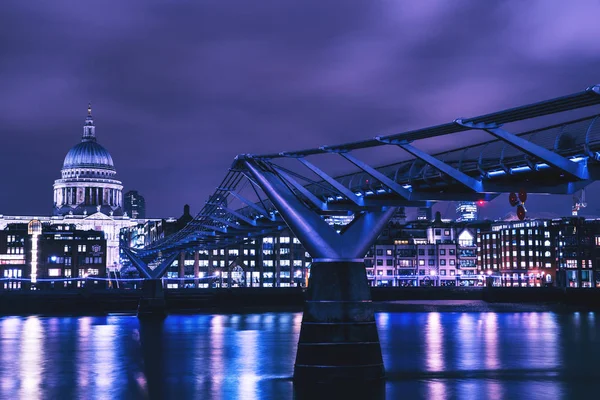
260,195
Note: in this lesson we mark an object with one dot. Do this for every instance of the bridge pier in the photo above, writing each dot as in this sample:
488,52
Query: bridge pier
152,302
338,338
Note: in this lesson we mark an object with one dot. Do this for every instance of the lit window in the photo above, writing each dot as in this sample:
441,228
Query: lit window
571,263
54,272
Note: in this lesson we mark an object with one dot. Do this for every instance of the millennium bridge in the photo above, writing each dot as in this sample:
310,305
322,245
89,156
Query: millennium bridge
549,147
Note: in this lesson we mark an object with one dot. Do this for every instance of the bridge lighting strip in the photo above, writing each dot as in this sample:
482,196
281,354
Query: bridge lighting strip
72,279
526,168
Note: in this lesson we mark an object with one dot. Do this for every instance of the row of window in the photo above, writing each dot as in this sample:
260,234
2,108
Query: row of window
12,239
442,272
514,232
410,252
522,264
246,252
14,250
521,243
390,262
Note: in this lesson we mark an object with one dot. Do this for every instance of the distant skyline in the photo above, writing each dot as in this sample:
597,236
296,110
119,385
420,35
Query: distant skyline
180,88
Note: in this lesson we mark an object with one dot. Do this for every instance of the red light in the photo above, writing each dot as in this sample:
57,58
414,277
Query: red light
480,202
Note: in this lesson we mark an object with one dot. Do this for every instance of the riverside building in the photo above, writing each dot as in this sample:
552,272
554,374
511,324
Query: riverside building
561,252
43,256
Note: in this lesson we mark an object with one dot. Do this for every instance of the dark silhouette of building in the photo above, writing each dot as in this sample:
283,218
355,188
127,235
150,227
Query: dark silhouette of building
185,218
135,205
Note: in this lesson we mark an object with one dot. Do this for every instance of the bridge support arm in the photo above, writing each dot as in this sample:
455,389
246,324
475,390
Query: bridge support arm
239,216
161,269
336,185
305,192
138,263
464,179
576,170
223,221
308,226
394,186
250,204
215,228
320,239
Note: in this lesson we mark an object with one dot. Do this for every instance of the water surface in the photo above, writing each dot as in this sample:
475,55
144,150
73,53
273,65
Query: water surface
427,355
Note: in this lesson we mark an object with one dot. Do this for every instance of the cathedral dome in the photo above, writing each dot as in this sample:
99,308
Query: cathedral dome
88,183
88,154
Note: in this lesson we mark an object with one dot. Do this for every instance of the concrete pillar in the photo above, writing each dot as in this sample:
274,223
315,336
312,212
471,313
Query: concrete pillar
277,260
259,261
152,302
196,267
181,269
338,338
228,267
292,257
210,270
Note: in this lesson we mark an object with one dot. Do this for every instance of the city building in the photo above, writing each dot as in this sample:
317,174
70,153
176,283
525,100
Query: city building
466,211
272,261
563,252
40,255
135,205
417,253
151,231
519,253
88,194
578,251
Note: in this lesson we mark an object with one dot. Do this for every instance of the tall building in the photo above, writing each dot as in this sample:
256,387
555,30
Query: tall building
135,205
466,211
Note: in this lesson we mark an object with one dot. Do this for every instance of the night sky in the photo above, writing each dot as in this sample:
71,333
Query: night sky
178,88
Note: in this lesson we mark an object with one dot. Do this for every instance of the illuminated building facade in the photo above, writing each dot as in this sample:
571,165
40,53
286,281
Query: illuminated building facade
37,255
466,211
519,254
272,261
417,254
563,252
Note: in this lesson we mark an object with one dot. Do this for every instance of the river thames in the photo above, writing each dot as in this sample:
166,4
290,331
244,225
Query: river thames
436,355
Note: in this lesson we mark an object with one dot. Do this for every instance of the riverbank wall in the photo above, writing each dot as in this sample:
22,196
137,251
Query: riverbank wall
102,302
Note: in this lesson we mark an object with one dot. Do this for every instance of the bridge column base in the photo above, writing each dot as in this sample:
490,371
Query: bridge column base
338,337
152,302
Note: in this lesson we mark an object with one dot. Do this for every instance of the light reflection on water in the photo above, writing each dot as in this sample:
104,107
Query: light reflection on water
251,356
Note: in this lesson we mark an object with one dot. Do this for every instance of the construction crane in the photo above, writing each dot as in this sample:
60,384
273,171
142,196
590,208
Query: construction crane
578,202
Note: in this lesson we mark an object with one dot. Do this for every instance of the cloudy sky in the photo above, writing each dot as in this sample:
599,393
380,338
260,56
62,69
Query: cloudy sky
179,88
